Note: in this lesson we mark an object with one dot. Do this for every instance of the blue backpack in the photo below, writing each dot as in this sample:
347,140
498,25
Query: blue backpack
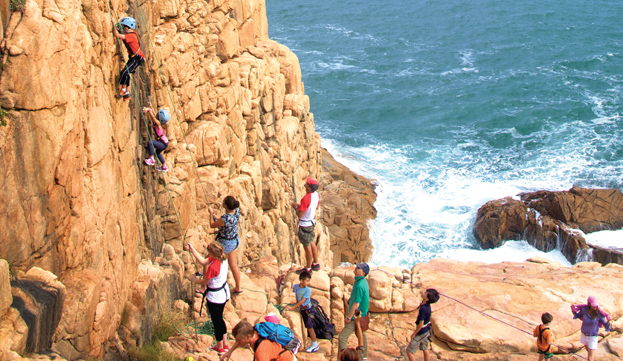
276,333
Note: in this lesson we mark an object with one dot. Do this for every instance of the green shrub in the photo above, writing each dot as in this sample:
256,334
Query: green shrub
17,5
151,352
169,324
3,115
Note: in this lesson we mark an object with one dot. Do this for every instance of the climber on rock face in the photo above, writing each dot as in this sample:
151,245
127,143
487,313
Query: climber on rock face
161,142
306,211
137,58
228,235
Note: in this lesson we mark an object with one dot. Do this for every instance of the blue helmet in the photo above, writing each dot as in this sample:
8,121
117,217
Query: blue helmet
163,116
129,22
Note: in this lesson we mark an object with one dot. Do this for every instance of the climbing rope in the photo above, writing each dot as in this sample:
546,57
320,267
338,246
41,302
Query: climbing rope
115,19
573,354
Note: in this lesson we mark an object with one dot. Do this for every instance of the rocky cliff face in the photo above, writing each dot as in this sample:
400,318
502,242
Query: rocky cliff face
552,219
76,198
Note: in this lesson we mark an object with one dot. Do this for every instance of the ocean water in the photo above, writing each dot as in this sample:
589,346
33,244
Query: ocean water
450,104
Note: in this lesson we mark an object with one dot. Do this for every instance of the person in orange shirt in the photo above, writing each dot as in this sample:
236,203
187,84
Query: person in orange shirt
265,350
136,56
544,338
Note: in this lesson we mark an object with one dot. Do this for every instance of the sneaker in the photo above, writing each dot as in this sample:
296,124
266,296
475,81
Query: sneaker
313,348
220,351
150,161
298,272
315,267
164,168
122,94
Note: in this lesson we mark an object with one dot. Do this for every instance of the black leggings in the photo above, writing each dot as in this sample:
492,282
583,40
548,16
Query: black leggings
129,68
216,314
160,147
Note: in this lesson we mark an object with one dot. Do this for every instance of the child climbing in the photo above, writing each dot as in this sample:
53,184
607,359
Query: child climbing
136,56
303,303
592,317
215,289
421,335
228,234
160,142
544,338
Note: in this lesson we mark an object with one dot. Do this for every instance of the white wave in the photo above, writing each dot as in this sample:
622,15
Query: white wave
605,239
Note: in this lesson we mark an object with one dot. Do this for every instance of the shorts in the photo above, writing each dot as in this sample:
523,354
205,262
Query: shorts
419,342
306,235
589,341
229,245
547,353
307,321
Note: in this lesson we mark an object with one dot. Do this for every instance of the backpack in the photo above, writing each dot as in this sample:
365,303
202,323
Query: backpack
323,327
541,330
277,333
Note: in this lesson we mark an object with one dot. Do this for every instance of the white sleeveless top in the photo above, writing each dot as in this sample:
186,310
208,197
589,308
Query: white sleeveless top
223,294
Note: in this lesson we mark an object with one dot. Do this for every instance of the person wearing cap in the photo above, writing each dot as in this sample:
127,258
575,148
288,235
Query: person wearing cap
306,211
359,300
592,317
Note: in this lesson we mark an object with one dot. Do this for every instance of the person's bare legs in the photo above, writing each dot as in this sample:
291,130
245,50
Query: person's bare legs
426,355
411,356
233,265
314,252
591,354
308,255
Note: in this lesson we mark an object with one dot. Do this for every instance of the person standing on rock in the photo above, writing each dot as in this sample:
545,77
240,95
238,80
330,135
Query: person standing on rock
359,300
592,317
216,292
228,235
306,211
544,337
136,56
421,336
302,292
161,142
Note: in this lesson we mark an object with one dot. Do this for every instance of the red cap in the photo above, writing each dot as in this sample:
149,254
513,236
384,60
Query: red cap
311,181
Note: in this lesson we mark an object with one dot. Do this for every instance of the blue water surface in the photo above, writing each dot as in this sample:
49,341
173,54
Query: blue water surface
449,104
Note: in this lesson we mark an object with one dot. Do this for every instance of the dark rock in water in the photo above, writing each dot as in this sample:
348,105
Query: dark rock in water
548,220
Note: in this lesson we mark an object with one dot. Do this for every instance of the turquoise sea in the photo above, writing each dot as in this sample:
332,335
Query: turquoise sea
450,104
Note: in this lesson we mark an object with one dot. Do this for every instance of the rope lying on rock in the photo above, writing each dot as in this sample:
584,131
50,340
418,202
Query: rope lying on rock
572,354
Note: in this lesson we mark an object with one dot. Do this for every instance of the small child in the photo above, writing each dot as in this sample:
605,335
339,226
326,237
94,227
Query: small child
161,142
421,335
303,302
544,338
137,58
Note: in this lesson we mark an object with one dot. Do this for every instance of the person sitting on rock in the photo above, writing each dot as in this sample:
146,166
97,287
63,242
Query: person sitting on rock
592,317
266,350
215,289
359,299
228,235
303,303
137,58
421,336
544,337
161,142
306,211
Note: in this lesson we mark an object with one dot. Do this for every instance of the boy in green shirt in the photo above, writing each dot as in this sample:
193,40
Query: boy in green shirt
359,300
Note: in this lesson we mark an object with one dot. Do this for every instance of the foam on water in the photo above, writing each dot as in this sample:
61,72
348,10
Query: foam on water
605,239
513,251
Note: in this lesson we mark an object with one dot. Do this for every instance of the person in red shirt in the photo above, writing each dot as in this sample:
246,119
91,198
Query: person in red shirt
306,211
137,58
544,338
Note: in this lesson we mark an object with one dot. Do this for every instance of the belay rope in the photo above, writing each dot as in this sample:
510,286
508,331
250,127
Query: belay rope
572,354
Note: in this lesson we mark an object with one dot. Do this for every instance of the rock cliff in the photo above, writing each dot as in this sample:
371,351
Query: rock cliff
78,201
553,219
